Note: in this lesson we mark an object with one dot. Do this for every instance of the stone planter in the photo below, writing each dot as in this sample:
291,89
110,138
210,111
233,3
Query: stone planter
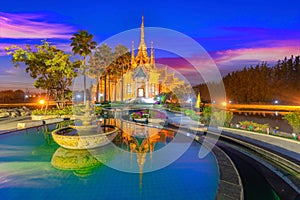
42,117
141,120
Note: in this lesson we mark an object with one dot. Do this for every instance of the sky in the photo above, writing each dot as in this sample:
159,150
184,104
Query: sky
234,33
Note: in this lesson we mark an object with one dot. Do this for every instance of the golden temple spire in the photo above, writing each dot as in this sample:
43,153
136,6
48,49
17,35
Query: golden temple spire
133,63
152,61
142,31
142,55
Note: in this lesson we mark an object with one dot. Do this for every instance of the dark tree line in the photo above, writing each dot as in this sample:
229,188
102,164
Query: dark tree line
262,84
10,96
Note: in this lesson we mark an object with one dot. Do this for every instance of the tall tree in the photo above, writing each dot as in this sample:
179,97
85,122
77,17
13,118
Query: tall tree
50,67
83,44
122,64
95,71
104,57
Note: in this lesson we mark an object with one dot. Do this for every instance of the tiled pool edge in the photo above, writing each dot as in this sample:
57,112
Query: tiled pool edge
28,124
230,184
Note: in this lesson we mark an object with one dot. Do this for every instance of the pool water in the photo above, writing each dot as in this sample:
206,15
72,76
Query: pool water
33,166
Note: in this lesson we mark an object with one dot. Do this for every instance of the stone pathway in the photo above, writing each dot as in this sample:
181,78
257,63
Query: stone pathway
10,124
287,147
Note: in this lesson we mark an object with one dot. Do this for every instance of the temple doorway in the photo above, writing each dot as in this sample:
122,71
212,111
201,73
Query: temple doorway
141,92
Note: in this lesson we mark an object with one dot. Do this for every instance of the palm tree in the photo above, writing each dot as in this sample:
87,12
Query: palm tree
83,44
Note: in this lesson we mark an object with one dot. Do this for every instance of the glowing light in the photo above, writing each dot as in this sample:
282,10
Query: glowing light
276,101
42,101
229,101
224,103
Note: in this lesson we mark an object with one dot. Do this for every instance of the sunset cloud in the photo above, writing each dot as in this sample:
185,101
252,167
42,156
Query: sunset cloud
30,26
257,54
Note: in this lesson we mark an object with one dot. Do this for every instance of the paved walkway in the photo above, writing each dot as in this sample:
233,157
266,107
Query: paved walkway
288,147
10,124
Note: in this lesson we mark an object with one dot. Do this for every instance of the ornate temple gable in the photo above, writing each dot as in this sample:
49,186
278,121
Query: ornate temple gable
140,72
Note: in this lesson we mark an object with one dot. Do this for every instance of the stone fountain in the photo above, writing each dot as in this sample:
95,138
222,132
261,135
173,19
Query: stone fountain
86,134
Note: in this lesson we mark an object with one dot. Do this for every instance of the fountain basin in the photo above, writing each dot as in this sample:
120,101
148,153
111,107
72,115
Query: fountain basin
84,138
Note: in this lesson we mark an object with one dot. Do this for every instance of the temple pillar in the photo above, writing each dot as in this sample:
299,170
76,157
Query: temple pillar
135,88
147,88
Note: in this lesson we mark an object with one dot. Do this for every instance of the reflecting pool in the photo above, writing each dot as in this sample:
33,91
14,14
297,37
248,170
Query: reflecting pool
33,166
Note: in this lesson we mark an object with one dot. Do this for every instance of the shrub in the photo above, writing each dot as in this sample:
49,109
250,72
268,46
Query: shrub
206,113
253,126
189,112
98,110
293,119
222,118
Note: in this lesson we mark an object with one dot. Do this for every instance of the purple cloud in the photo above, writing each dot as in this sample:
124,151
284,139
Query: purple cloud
28,25
271,52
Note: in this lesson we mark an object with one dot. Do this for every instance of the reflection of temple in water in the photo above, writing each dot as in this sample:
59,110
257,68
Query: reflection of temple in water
141,140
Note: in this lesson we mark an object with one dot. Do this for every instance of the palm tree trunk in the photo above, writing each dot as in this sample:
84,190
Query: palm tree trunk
84,82
47,99
122,98
109,83
104,89
115,90
97,89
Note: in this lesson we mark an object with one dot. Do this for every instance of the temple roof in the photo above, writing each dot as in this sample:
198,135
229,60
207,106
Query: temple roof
140,72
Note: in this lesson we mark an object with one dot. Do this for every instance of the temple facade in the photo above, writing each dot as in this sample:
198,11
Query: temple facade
144,80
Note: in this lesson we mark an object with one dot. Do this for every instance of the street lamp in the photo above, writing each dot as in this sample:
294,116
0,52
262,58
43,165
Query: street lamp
42,102
224,103
191,101
276,102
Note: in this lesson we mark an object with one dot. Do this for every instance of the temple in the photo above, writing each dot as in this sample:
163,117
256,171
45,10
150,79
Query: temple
144,80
